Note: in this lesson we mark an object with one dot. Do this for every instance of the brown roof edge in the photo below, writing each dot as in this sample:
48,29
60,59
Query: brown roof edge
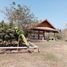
45,29
47,22
50,24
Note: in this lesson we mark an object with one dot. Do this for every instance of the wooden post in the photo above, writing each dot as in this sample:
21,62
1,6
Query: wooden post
44,34
34,34
54,36
38,34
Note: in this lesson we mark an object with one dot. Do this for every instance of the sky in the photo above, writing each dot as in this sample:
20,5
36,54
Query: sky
55,11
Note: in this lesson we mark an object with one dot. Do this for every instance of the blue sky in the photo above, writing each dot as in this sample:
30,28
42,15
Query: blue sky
53,10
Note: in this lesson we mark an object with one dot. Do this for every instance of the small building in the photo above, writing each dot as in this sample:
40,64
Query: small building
42,30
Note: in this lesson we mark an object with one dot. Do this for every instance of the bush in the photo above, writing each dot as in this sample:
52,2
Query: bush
58,36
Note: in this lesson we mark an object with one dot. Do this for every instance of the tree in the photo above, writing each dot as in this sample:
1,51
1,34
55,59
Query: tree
3,25
19,15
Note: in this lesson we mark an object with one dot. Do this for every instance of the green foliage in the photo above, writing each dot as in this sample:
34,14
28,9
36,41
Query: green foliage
26,33
59,35
9,33
19,16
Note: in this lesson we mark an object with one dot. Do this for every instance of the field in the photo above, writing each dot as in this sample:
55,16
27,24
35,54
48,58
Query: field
52,54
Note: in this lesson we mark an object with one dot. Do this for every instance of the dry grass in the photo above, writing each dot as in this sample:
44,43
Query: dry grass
52,54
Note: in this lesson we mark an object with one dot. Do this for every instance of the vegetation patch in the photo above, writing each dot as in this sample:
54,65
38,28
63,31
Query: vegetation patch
50,57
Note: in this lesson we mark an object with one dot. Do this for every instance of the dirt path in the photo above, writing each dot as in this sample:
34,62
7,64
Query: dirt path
52,54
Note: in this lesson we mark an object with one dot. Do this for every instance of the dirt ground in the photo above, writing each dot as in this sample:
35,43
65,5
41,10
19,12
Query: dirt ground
52,54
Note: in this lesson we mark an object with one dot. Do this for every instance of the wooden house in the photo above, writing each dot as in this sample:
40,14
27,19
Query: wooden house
39,31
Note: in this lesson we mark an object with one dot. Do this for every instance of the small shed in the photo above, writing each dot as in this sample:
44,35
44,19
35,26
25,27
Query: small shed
41,28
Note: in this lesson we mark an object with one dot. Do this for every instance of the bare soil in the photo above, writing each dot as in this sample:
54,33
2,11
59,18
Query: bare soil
52,54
